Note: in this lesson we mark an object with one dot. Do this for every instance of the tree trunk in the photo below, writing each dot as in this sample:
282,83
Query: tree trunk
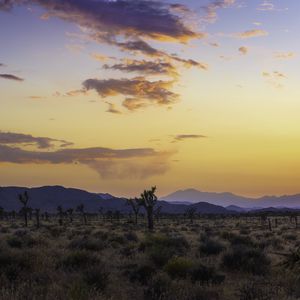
150,219
25,217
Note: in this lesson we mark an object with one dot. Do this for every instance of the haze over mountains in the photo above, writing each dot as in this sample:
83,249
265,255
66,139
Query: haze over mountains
47,198
229,199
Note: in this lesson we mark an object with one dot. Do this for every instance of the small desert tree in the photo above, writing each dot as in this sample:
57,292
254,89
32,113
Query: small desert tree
37,217
135,205
80,209
148,200
60,215
70,214
157,213
190,214
24,198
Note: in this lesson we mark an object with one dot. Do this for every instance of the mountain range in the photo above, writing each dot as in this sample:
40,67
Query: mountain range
48,198
229,200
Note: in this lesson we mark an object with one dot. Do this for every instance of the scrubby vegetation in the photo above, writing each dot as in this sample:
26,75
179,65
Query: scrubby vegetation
110,255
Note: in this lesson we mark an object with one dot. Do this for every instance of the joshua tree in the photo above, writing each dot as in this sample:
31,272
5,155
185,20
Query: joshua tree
1,212
157,213
148,200
60,215
190,213
24,198
37,216
101,213
70,214
80,209
135,205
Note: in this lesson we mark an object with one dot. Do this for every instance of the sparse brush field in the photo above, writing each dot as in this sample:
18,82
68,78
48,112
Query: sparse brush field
212,258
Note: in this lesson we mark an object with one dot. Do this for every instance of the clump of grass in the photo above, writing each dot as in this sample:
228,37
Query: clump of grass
211,247
246,259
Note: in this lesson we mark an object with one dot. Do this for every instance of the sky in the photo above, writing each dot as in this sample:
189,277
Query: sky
120,95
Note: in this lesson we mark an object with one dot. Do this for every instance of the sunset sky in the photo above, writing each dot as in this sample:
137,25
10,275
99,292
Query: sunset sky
118,95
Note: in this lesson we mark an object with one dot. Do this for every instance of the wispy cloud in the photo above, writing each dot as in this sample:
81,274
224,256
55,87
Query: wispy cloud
211,9
284,55
182,137
274,78
251,33
136,163
157,67
11,138
243,50
268,5
11,77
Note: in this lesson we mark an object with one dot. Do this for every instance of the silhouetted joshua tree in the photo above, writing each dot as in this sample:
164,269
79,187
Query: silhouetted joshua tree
70,214
148,200
1,212
60,215
37,217
24,198
157,212
190,213
136,206
80,209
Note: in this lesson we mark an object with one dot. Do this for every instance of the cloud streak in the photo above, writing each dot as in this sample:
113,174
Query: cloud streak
11,138
182,137
136,163
251,33
11,77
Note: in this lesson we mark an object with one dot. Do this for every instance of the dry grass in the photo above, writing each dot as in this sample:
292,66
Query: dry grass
214,258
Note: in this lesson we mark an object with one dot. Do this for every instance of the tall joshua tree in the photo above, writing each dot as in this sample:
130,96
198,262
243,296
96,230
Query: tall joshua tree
24,198
70,214
37,216
80,209
135,205
60,215
148,200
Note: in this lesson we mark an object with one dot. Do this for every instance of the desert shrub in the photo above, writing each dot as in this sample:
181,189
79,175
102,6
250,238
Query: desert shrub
102,235
183,290
292,285
78,260
90,244
97,277
56,231
160,248
15,264
227,235
117,240
139,272
211,247
128,250
157,287
246,259
16,241
178,267
258,289
206,274
290,237
131,236
244,231
292,260
241,240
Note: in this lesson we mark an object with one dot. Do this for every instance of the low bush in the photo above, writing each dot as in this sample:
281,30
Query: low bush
246,259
